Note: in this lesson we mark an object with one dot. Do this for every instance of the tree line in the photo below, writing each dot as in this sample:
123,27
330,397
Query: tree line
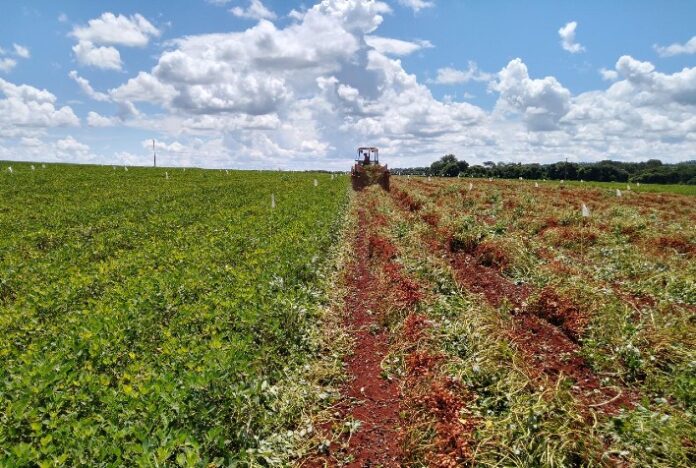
651,171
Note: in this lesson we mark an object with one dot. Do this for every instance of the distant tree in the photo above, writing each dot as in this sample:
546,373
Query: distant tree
448,166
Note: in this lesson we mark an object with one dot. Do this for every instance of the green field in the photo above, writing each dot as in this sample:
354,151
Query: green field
647,188
148,320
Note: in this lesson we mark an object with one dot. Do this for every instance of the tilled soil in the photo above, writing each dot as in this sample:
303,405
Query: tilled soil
371,403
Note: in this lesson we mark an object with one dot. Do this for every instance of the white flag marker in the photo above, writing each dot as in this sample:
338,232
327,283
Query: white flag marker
585,211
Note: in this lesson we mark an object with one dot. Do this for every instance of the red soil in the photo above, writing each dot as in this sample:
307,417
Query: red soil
406,200
488,281
680,244
559,311
491,254
369,398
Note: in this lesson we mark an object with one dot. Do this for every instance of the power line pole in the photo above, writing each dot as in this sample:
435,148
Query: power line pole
154,153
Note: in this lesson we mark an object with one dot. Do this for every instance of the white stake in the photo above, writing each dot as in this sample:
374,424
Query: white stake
628,187
585,211
33,168
43,166
166,175
272,201
618,193
536,184
520,178
10,169
562,181
638,184
227,172
471,186
316,183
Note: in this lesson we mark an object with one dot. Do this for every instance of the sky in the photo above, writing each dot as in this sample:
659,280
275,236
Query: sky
280,84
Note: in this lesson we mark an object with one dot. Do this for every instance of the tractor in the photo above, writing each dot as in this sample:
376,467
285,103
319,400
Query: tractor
368,171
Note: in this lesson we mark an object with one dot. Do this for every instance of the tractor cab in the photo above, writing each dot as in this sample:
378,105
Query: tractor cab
367,156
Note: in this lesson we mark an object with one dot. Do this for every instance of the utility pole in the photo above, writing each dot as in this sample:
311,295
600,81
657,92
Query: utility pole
154,153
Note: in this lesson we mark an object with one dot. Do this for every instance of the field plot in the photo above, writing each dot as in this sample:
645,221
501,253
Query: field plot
516,331
159,316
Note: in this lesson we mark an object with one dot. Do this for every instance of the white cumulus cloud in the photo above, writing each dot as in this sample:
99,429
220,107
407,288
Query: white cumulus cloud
110,29
450,76
256,10
26,107
86,87
677,49
567,34
106,58
95,119
417,5
97,41
7,64
542,102
21,51
391,46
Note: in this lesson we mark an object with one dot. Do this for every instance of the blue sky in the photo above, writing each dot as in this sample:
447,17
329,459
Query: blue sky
281,84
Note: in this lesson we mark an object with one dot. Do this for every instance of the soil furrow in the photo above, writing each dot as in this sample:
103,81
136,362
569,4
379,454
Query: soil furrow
370,408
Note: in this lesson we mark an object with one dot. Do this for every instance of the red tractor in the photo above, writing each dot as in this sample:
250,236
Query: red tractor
368,171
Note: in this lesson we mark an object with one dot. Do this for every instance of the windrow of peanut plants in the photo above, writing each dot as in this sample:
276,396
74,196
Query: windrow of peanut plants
161,316
574,336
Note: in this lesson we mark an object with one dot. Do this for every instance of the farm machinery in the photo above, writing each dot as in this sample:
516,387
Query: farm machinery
368,171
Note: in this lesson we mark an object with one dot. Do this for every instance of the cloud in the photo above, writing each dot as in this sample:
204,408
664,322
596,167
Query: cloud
390,46
256,10
110,29
677,49
567,34
105,58
96,41
71,145
7,64
542,102
304,92
450,76
21,51
26,107
608,75
87,87
62,18
96,120
417,5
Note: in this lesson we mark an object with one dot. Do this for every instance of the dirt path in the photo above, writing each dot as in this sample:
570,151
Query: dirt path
370,410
